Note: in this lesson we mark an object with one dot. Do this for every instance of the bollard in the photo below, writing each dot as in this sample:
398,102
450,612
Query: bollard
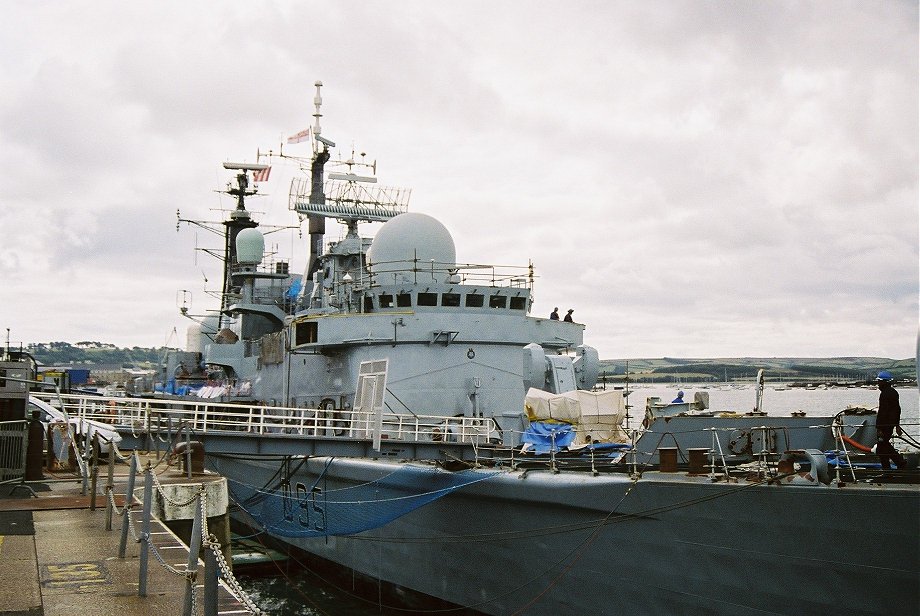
697,460
129,501
192,453
667,459
35,453
145,531
194,546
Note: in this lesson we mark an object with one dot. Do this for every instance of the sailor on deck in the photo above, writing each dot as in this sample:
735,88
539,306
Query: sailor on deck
888,421
568,315
554,315
679,399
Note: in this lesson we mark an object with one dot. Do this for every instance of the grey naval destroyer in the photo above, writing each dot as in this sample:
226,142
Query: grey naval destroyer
404,416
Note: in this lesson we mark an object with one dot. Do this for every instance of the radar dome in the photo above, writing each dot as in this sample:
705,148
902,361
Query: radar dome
250,246
412,247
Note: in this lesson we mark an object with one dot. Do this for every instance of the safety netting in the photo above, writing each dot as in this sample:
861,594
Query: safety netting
297,508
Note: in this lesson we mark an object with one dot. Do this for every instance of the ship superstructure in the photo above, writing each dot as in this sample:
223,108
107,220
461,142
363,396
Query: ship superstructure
459,337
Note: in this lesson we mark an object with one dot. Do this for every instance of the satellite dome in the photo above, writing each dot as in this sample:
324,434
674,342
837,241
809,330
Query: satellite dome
412,247
250,246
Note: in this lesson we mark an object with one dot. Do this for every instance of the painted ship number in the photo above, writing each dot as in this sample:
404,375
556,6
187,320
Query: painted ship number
311,514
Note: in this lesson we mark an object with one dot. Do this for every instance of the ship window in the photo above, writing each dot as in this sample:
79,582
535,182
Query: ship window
404,300
450,299
368,303
427,299
305,333
475,300
518,303
497,301
386,300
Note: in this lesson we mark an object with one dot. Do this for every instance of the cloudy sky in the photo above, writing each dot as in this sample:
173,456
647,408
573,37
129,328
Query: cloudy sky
695,178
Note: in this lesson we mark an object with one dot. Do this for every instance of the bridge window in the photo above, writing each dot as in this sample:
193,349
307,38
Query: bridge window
305,333
404,300
475,300
497,301
518,303
386,300
427,299
368,303
450,299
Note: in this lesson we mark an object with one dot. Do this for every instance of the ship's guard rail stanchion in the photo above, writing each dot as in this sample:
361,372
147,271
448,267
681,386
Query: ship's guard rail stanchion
14,440
216,566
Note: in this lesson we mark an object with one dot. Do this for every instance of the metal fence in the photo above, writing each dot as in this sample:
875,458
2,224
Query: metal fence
14,440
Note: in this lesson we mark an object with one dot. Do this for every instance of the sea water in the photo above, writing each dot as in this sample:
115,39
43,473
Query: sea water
310,593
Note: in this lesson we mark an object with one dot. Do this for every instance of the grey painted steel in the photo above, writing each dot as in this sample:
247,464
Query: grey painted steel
109,487
282,444
129,502
541,542
145,532
210,583
193,549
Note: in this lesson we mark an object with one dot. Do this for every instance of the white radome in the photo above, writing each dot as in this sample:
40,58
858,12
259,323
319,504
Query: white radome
410,246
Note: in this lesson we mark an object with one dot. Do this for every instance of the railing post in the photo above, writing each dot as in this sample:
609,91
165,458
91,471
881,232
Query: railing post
129,501
193,548
149,439
210,582
110,487
145,532
188,452
95,472
83,467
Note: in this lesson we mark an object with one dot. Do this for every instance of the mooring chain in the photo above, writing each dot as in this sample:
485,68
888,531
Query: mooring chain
121,457
229,578
118,511
172,502
189,575
210,541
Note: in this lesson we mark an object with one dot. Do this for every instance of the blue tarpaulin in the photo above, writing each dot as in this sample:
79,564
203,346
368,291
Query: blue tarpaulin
546,436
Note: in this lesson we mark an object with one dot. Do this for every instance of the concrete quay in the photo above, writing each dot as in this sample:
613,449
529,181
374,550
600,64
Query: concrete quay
57,558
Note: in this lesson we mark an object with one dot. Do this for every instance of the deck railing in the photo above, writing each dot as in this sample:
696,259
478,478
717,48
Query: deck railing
140,414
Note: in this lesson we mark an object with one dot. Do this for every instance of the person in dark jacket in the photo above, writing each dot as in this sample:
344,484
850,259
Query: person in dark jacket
888,422
568,315
554,315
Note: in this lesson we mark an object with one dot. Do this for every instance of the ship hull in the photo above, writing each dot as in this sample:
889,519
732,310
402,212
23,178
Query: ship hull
571,542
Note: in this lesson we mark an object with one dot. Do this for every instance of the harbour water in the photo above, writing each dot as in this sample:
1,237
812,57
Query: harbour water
309,592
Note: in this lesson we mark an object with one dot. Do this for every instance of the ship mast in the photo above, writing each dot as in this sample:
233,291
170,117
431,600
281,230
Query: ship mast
317,223
239,219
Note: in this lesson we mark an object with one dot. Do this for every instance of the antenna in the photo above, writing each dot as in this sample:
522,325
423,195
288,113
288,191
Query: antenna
317,129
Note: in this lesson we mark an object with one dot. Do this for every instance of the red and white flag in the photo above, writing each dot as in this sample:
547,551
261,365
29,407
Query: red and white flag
303,135
261,175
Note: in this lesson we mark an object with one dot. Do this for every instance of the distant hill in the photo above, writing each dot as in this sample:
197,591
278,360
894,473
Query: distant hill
791,369
88,354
